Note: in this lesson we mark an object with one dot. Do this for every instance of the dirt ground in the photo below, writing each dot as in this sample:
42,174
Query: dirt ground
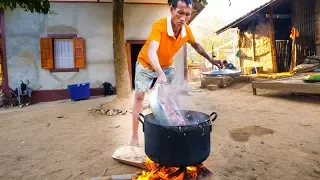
269,136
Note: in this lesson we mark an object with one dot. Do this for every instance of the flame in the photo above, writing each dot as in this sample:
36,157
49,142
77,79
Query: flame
158,172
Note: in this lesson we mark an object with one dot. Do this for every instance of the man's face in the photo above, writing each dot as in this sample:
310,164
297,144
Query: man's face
181,14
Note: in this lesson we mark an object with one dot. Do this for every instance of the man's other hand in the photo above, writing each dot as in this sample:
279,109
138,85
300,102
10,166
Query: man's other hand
161,78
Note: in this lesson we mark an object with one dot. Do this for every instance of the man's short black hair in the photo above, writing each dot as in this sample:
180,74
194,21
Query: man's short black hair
175,3
225,62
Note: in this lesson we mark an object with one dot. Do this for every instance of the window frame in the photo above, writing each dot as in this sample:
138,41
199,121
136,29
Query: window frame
62,36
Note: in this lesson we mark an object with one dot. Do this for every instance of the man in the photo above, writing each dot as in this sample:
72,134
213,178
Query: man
228,65
155,59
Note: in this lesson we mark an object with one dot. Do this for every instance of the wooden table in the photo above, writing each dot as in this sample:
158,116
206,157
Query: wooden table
289,84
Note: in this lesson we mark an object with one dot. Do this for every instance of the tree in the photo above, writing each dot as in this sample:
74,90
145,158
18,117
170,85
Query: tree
39,6
120,59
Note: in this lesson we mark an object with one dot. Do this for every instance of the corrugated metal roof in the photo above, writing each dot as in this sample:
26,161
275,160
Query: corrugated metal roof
237,21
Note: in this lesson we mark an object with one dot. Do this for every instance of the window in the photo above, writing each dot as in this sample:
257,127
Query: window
62,53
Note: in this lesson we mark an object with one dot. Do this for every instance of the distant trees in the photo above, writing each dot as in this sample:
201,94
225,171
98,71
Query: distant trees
205,29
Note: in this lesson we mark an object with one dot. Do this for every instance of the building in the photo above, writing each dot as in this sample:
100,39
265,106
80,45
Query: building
265,34
74,45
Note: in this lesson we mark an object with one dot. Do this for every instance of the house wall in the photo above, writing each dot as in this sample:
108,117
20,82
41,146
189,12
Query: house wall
93,22
263,55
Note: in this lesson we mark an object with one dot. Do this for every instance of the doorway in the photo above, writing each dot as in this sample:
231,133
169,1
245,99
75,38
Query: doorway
282,30
135,49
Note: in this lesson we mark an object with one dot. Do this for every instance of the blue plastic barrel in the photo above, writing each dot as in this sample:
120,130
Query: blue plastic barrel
79,91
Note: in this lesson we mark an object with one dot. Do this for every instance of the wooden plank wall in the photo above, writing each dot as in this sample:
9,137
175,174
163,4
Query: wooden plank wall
317,23
304,21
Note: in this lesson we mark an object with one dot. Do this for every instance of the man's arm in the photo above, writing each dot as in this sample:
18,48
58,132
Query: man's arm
203,53
154,60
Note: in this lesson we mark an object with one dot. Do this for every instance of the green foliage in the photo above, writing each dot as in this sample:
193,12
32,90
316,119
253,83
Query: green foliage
38,6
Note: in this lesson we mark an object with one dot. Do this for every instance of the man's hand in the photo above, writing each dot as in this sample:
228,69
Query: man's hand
161,78
218,63
203,53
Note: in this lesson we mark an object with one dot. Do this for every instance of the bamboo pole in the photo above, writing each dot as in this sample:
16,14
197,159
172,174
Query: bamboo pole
253,46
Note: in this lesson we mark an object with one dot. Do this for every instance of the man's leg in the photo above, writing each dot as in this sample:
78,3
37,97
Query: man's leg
137,108
143,81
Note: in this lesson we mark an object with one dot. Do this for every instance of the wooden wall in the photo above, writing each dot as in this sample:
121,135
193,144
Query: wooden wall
255,48
304,20
317,26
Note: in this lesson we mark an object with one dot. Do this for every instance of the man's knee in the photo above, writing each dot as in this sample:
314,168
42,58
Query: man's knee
139,97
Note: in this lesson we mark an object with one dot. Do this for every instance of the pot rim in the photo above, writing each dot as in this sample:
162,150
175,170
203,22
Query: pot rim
204,123
207,122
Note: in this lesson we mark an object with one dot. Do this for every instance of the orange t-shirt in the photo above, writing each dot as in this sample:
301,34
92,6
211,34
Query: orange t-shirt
169,45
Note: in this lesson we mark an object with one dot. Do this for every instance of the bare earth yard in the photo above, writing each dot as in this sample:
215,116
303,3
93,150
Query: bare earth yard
269,136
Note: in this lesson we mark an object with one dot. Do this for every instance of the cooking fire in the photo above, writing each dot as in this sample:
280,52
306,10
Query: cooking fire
158,172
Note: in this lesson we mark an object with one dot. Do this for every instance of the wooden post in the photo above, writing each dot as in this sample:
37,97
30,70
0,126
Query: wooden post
273,44
253,46
294,54
240,60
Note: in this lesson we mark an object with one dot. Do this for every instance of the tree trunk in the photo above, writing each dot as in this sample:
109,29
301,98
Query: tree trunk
120,59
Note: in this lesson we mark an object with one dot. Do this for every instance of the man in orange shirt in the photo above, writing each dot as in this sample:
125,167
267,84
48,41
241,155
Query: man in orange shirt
155,59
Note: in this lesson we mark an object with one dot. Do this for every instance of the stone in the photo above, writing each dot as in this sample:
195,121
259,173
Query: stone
212,87
115,112
221,81
130,155
124,112
110,112
203,83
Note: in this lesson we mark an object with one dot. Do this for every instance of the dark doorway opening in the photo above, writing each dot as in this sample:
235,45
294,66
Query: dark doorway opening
282,30
135,49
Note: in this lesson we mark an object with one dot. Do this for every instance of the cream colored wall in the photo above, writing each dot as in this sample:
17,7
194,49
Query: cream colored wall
93,22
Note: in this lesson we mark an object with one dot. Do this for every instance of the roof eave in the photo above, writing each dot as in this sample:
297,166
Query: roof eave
241,19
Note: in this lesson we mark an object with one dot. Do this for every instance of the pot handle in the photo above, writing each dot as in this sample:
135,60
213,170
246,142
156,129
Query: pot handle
139,118
215,115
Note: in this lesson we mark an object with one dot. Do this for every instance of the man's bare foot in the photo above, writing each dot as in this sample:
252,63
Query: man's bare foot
134,141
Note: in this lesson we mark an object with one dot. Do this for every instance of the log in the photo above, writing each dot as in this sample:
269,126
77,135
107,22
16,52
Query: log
124,177
115,177
133,156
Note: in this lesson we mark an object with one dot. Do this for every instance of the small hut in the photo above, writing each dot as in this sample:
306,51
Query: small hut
276,36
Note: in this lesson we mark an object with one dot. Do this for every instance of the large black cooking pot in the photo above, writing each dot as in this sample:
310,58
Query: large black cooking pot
178,146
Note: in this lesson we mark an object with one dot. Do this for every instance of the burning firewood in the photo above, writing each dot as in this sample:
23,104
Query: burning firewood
157,172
